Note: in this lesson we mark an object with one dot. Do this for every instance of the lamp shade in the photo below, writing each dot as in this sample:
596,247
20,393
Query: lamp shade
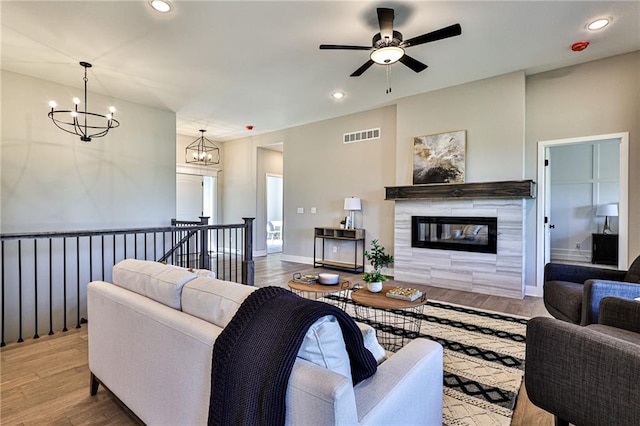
352,204
607,210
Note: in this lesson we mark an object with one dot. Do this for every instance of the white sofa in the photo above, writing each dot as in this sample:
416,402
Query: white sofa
151,338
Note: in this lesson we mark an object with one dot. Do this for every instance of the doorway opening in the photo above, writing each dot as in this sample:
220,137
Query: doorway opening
567,208
274,213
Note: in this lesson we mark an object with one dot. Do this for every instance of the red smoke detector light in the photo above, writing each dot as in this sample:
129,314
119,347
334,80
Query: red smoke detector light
579,46
249,127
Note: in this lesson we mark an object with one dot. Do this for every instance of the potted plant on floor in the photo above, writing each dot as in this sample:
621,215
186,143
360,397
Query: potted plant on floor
379,259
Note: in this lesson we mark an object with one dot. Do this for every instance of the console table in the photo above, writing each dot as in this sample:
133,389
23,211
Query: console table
604,249
354,235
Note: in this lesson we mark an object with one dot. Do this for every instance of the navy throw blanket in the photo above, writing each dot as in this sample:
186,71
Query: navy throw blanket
254,355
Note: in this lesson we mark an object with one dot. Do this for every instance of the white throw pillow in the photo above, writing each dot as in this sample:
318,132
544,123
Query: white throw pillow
323,345
154,280
371,342
213,300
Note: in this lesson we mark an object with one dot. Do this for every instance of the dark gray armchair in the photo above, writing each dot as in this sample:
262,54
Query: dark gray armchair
587,375
572,293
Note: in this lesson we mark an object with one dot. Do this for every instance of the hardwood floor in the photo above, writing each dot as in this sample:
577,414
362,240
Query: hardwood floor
46,381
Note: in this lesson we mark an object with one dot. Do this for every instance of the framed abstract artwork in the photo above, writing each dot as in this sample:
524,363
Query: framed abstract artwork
439,158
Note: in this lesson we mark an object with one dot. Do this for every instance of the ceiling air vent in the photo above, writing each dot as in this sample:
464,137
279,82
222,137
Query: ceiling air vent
361,136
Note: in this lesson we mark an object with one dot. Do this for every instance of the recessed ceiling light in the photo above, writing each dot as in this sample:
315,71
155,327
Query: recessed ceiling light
337,95
160,5
598,24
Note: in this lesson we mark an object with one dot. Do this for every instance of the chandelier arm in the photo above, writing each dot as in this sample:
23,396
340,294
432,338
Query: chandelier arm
55,121
78,129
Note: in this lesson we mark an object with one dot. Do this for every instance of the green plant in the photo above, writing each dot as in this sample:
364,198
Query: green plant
374,277
378,257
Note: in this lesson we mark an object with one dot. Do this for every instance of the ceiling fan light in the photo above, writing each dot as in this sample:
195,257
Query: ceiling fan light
387,55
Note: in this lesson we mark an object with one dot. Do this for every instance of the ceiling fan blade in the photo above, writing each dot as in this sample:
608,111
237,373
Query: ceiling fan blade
343,47
359,71
446,32
385,19
414,64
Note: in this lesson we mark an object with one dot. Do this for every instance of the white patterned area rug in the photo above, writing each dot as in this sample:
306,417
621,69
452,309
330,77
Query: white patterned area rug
483,359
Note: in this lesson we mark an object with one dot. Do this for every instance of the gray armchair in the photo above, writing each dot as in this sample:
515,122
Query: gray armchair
572,293
587,375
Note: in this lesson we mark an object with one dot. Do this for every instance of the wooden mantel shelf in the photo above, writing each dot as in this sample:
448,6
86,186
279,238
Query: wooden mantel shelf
475,190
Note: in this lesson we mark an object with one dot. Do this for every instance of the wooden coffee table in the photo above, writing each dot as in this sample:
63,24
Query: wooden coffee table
393,329
316,291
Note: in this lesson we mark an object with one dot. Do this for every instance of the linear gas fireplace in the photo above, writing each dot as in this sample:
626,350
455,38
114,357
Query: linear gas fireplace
477,234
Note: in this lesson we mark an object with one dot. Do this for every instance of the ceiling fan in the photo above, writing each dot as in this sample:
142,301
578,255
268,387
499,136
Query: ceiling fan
387,46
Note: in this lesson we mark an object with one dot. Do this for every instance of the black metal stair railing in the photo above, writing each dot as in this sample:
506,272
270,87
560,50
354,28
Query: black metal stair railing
44,275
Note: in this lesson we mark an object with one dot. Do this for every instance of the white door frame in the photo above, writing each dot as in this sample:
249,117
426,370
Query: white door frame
623,218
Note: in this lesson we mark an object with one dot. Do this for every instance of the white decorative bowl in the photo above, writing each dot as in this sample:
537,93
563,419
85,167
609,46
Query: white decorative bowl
328,279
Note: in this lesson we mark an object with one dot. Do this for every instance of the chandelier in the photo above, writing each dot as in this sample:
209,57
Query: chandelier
202,151
85,124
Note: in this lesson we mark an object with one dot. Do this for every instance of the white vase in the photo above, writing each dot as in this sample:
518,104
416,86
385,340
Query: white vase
375,287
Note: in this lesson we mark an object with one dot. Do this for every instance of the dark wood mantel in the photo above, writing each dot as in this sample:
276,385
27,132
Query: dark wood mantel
474,190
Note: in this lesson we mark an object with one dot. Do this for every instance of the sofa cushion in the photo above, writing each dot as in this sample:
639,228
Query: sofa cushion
214,300
154,280
565,297
323,345
633,274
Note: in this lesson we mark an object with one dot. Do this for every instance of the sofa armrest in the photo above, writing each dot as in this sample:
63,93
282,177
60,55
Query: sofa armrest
406,389
579,274
581,375
317,396
596,289
620,313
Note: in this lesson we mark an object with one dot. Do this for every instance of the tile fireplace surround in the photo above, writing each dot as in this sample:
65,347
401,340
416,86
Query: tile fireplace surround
499,274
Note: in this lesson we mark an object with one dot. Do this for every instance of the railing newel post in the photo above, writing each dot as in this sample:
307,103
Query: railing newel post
247,258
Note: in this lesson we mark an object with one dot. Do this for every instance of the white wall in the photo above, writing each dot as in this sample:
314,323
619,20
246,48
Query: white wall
53,181
320,171
492,113
596,98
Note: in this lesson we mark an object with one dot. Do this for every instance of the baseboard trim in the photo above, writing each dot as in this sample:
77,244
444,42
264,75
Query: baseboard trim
534,291
297,259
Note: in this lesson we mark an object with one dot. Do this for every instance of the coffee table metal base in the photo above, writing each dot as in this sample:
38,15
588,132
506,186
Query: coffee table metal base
396,321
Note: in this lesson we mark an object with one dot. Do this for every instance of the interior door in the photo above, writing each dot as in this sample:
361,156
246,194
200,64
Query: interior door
188,197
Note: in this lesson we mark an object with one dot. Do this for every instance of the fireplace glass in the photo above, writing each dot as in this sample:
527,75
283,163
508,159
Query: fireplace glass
476,234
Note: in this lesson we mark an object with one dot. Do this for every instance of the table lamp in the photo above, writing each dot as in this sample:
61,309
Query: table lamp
607,210
352,204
